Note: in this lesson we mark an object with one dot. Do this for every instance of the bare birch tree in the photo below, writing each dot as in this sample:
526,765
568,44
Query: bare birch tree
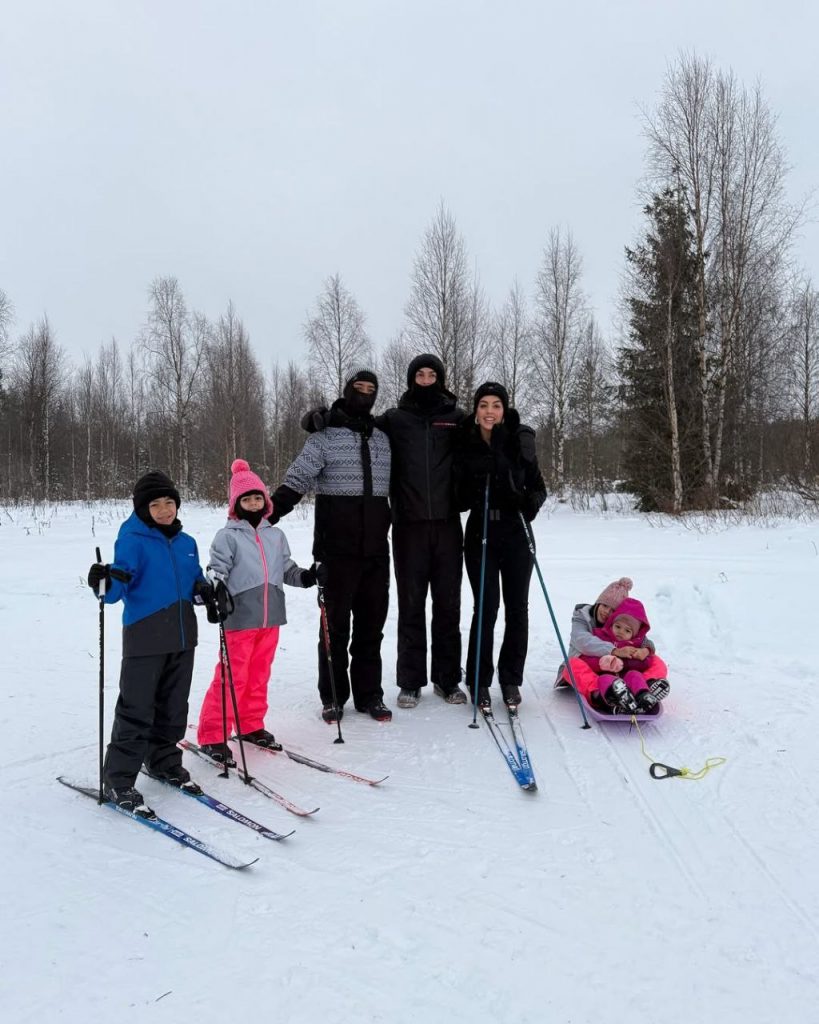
336,337
561,317
438,309
38,370
804,367
174,342
510,359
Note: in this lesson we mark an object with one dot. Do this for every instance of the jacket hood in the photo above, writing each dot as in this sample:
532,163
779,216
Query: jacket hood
631,606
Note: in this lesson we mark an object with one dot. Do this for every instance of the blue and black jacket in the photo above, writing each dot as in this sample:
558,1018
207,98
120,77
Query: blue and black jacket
158,617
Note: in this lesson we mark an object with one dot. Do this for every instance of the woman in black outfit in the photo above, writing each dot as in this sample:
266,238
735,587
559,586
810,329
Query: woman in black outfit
495,448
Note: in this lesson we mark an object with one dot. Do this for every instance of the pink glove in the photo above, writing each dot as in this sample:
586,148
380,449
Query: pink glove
608,663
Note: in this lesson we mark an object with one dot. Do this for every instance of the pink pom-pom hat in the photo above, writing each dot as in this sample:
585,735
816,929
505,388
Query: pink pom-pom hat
244,481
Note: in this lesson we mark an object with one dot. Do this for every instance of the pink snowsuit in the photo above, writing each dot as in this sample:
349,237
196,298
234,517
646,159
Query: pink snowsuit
585,667
633,671
254,564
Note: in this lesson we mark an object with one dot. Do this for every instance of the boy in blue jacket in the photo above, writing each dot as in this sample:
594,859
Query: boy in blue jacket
157,576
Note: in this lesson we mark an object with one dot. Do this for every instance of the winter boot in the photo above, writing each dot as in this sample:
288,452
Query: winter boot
648,701
219,752
262,738
454,695
408,698
378,710
511,694
129,799
332,713
620,698
177,776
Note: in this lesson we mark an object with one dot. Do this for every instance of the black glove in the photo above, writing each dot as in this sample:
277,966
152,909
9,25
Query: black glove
202,592
530,507
308,576
221,605
97,573
274,517
322,573
315,420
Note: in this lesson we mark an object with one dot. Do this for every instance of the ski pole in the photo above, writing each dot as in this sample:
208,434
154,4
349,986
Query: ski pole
531,542
474,723
100,598
223,654
325,632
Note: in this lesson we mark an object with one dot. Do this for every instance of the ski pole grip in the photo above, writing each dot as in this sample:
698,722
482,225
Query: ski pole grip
663,771
101,588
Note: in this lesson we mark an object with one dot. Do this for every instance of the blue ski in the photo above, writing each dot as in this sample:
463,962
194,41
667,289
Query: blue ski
225,810
165,828
520,747
524,778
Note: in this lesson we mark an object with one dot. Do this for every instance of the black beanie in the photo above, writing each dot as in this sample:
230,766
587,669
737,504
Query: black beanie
431,362
152,486
491,387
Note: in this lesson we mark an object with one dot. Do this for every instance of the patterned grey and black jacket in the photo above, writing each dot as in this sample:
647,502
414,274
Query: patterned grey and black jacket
347,466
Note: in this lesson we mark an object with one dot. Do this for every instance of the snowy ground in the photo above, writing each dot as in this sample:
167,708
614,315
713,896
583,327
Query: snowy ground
446,895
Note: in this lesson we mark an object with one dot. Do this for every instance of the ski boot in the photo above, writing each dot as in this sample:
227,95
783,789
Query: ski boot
408,698
484,699
261,738
129,799
219,752
511,694
620,698
176,776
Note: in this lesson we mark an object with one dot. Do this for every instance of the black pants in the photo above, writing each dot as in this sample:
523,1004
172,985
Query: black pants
428,556
151,716
509,566
357,587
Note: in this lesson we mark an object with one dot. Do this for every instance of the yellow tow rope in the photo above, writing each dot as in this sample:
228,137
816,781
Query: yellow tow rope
658,770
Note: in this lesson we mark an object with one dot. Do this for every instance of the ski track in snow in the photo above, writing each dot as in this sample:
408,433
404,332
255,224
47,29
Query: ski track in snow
446,894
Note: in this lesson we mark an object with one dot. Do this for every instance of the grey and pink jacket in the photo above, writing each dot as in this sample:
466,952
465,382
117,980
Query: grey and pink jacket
254,565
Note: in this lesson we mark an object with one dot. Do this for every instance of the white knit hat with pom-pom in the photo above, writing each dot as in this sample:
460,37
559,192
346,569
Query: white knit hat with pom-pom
615,593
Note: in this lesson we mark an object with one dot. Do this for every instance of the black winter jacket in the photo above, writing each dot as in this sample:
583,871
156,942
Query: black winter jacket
515,480
423,445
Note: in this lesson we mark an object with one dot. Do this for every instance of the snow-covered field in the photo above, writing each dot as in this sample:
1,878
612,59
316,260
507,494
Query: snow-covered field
447,894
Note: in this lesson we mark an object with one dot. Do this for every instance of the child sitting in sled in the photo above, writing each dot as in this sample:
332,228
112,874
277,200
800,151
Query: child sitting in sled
621,675
587,619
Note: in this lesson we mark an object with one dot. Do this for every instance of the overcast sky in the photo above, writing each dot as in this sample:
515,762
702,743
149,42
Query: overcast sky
251,149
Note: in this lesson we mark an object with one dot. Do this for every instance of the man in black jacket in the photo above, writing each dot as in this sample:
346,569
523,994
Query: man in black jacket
427,540
348,467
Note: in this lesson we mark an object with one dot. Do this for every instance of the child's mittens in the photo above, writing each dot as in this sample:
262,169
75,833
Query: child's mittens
610,663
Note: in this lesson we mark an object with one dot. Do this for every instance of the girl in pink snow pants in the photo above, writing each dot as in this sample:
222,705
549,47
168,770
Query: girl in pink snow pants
251,559
583,641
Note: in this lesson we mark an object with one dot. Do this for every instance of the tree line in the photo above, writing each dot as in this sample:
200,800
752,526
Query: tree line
706,393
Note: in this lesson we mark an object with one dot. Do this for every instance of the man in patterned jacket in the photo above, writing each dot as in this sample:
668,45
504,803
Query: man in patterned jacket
348,467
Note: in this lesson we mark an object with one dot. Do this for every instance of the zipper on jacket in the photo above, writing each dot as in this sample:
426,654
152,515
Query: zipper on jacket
178,592
264,566
429,484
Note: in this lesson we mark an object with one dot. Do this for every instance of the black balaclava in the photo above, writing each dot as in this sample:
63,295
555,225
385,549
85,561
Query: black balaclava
254,518
355,402
148,488
426,395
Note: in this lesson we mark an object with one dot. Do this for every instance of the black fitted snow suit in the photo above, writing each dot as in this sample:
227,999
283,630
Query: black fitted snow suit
509,464
427,540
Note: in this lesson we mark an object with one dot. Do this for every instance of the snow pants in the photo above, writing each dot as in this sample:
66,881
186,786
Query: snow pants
587,679
509,566
251,653
357,588
150,717
428,557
